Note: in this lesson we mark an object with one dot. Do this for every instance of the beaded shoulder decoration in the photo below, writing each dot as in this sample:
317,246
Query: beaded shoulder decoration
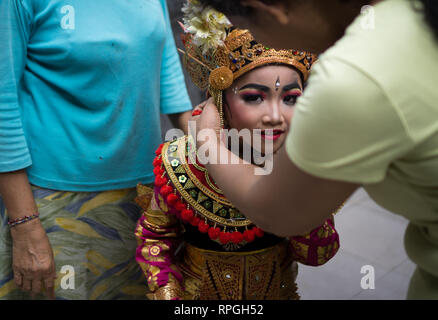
189,190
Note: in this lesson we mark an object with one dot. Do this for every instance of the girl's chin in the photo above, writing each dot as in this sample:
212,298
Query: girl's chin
276,146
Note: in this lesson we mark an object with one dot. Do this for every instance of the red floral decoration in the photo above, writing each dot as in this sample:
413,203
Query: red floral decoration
189,216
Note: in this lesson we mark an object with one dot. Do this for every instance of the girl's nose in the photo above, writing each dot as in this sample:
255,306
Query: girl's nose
273,115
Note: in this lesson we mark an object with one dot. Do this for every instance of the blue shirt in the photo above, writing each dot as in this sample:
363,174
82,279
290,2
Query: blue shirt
82,85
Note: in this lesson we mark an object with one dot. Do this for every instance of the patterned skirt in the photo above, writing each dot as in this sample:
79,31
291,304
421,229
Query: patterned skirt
266,274
92,237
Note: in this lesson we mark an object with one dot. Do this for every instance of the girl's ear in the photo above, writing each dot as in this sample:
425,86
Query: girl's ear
278,11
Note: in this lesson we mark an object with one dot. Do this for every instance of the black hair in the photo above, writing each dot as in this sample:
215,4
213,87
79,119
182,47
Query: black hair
235,8
431,14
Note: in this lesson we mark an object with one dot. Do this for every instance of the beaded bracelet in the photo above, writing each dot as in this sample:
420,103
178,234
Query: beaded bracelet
13,223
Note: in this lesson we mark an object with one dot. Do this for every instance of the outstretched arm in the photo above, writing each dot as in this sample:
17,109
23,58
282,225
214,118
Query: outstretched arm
276,201
340,138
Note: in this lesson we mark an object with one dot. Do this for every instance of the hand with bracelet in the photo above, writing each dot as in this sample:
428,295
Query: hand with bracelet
32,256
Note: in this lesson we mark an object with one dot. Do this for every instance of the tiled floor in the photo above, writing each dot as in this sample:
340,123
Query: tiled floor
369,235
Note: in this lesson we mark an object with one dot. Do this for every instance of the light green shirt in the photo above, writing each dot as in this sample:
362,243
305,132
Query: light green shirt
370,116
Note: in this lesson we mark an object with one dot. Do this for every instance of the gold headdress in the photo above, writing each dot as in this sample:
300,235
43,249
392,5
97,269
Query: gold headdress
217,54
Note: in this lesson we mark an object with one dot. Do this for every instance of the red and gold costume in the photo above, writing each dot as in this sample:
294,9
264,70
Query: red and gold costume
192,242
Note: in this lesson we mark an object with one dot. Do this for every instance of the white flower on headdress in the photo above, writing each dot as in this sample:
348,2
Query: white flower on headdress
207,25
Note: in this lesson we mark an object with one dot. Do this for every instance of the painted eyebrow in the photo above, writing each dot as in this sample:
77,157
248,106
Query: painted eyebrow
255,86
291,86
262,88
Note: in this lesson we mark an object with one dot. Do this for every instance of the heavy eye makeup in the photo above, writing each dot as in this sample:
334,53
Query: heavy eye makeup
252,96
290,97
255,94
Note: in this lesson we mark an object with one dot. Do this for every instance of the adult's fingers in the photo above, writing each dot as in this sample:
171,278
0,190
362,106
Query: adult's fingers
49,284
198,109
209,118
210,113
36,286
27,284
209,104
203,104
18,279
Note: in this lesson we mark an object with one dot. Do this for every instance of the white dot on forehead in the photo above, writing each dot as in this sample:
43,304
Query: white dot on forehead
277,83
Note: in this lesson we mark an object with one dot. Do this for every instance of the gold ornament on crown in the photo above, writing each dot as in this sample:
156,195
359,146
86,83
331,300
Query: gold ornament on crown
216,54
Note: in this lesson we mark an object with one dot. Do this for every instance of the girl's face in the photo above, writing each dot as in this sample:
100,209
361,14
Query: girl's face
264,98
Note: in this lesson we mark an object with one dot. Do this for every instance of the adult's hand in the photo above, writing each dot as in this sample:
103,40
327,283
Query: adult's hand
32,255
206,116
32,259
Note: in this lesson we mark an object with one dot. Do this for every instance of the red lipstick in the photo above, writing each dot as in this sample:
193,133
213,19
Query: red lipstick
272,134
